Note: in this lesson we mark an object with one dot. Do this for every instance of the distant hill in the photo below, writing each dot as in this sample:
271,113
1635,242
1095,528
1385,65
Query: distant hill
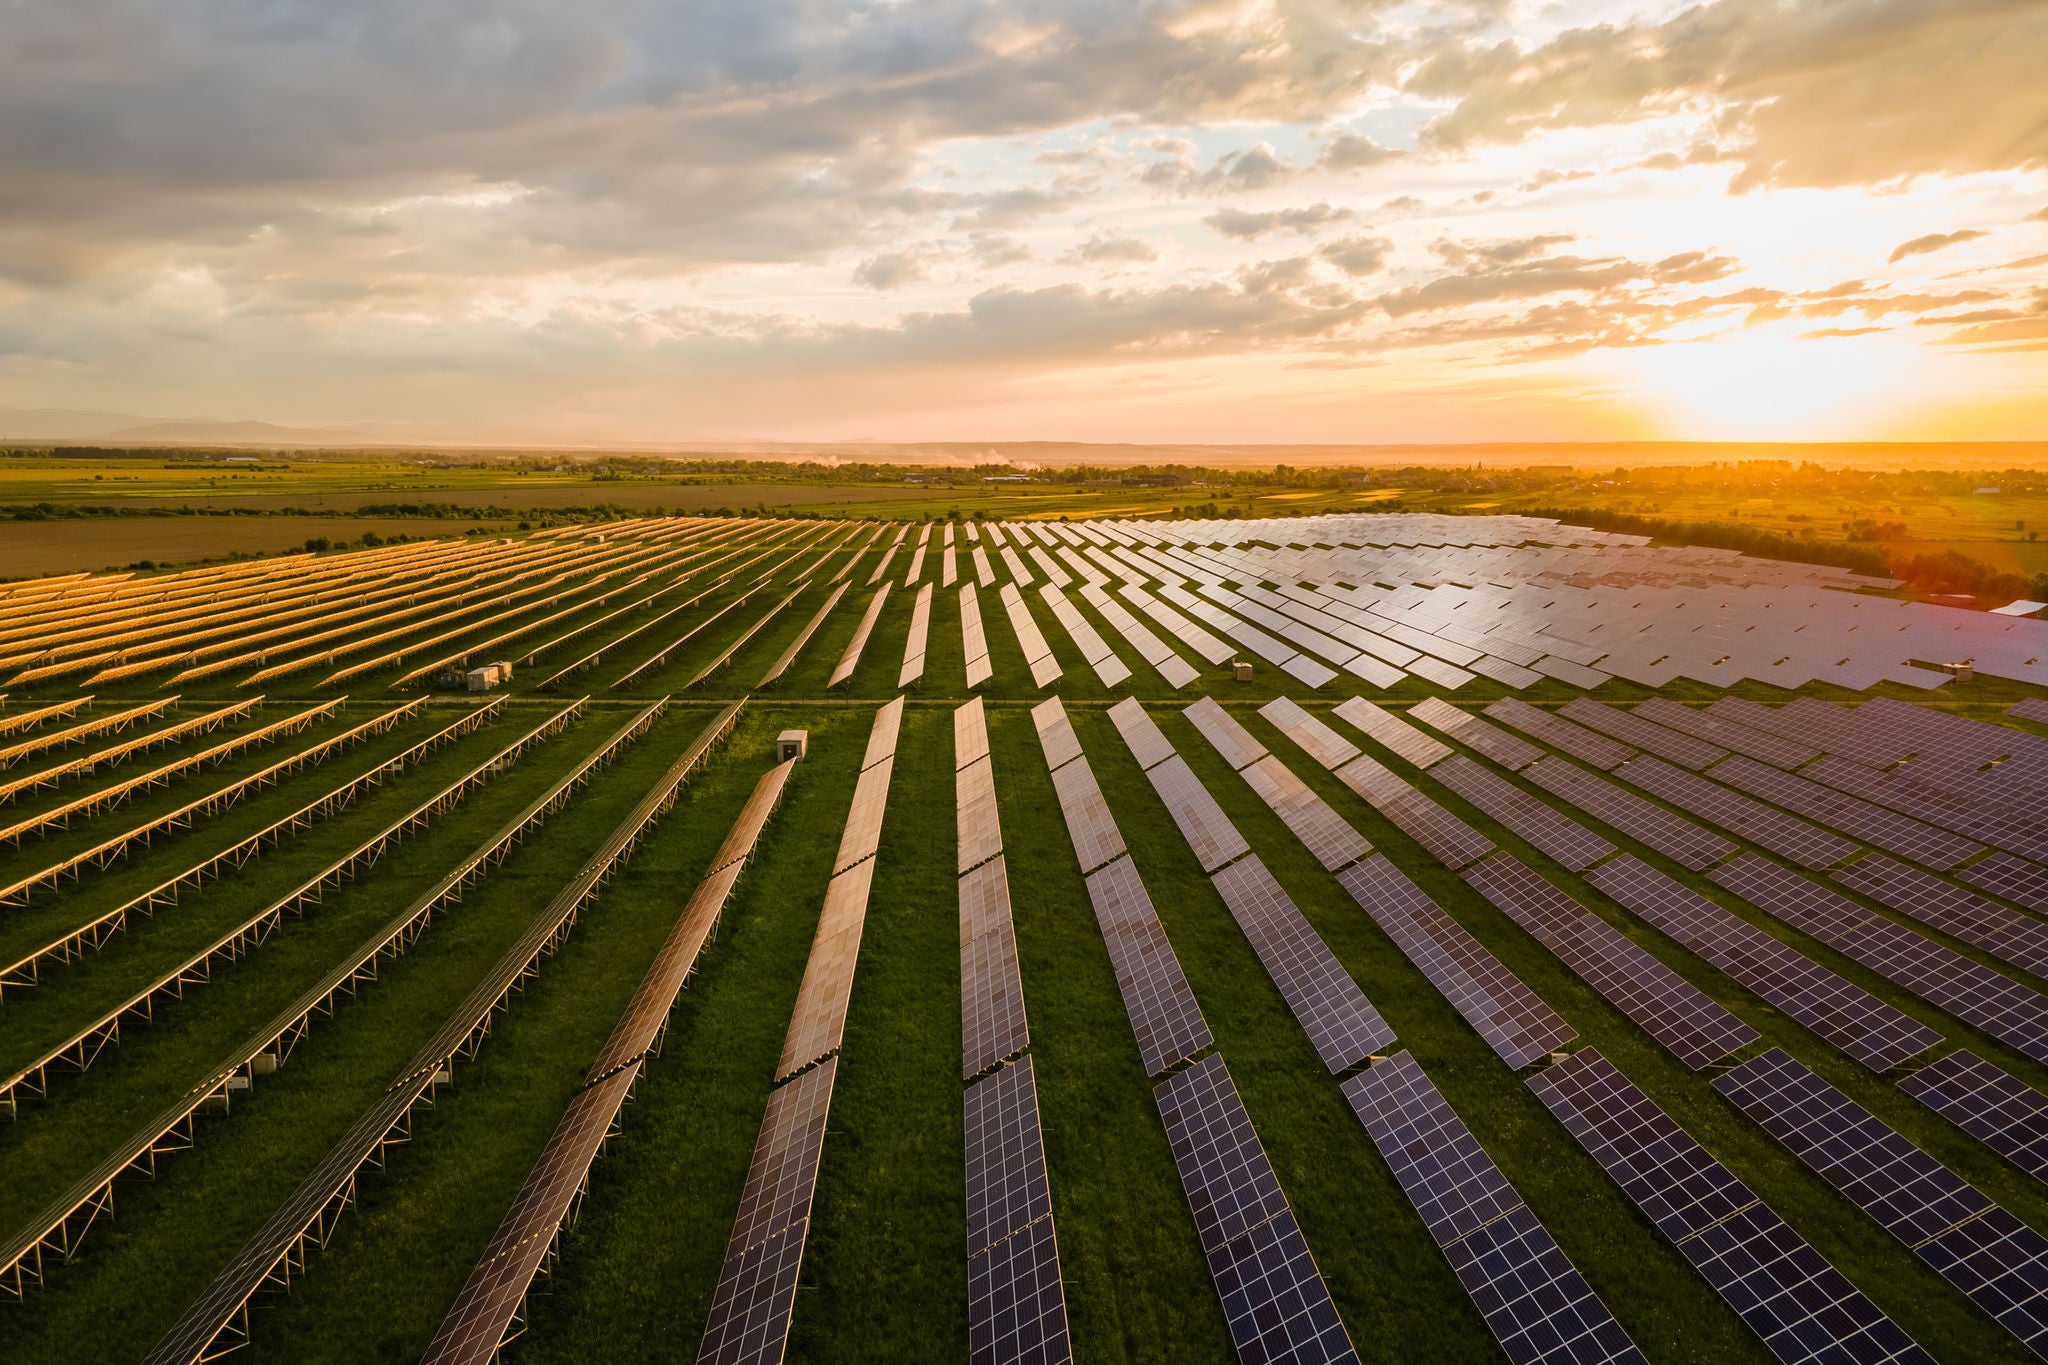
202,432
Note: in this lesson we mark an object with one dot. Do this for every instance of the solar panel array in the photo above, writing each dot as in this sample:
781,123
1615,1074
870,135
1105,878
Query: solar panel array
1685,750
1328,1004
1776,750
1685,1020
756,1294
920,631
1109,669
1677,838
1998,1109
1327,835
1562,735
1324,998
1274,1299
1016,1305
974,637
1177,671
1847,1016
1416,746
1805,844
1514,1020
2018,880
1535,1302
1316,738
1873,824
1161,1005
1038,655
1448,839
1573,845
1482,737
1789,1295
2002,1007
2006,934
1973,1243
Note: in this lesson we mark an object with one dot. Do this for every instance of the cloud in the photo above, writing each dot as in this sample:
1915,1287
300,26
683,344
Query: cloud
1100,250
1549,176
891,270
1812,93
1933,241
1353,152
1357,256
993,250
1248,226
2037,216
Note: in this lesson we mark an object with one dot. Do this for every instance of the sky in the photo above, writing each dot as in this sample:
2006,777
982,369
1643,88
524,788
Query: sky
1351,221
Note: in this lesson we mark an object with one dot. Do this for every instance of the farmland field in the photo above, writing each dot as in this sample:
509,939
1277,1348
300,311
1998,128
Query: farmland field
315,956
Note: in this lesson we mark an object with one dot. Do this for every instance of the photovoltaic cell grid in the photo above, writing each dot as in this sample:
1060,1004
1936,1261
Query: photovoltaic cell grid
1936,973
1573,845
1016,1307
1161,1005
1788,1294
1443,835
1685,1020
2006,934
1326,834
1846,1015
757,1286
1148,743
1684,750
1274,1298
2016,879
1397,734
1534,1301
1482,737
1787,835
1999,1110
992,1020
1089,824
1220,728
1733,736
1317,739
1326,1001
1514,1020
980,826
1581,743
1211,836
1873,824
1674,836
1999,1262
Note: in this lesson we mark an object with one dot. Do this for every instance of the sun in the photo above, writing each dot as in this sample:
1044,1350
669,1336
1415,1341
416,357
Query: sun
1774,381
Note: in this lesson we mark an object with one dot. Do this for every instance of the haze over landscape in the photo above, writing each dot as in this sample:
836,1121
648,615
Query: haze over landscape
1244,221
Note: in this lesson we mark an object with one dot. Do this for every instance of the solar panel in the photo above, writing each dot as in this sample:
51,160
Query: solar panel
1483,737
1089,823
1274,1298
751,1308
2016,879
2006,934
1674,836
1573,845
1211,836
1237,744
1161,1005
1148,744
1998,1109
1999,1262
1846,1015
1006,1182
1802,1307
1684,750
1872,823
863,834
1679,1015
970,733
1323,744
1534,1301
1514,1020
981,830
1761,745
1397,734
819,1018
1055,733
1326,1001
1447,838
1972,992
1562,735
992,1022
1016,1308
1805,844
1326,834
